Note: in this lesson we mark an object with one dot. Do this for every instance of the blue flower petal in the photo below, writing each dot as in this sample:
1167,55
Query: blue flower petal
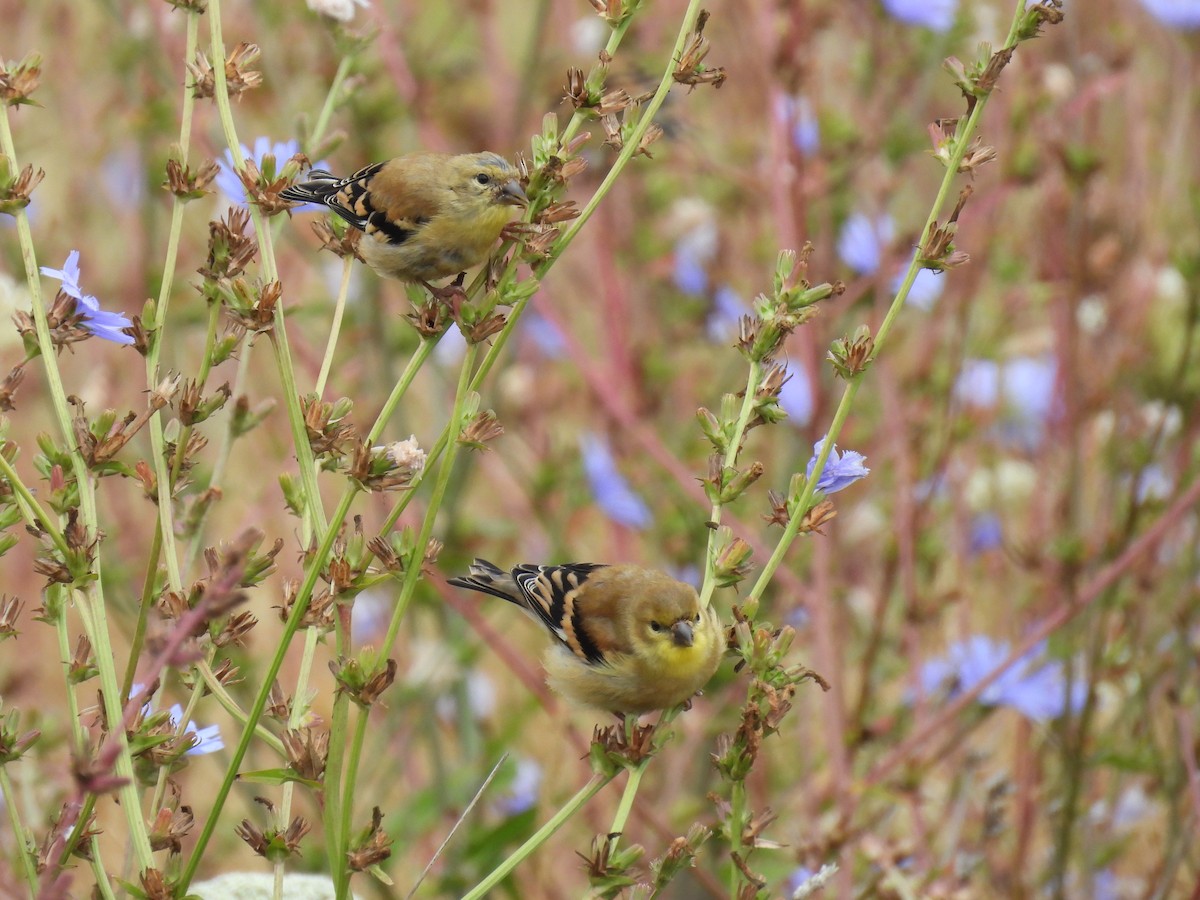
726,314
612,492
862,241
936,15
841,469
1181,14
796,397
102,324
68,275
987,533
925,291
1040,693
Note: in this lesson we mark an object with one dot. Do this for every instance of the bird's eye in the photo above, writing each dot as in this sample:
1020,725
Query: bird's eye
482,178
696,617
654,626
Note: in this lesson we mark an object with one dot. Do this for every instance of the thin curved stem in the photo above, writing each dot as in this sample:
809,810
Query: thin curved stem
539,837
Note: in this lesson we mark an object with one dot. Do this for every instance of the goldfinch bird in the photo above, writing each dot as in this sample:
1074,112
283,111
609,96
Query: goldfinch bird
626,639
423,216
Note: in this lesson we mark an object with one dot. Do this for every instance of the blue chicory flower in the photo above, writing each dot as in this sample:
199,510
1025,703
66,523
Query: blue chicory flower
862,240
694,250
522,792
1025,385
1153,484
612,492
841,469
230,184
726,314
688,574
451,347
978,383
479,694
1181,14
545,336
123,175
799,875
1037,692
936,15
987,533
1105,886
208,740
796,397
1029,386
798,116
688,271
372,610
925,291
99,322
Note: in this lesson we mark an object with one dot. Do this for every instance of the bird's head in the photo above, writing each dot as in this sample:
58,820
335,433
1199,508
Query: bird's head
668,620
490,178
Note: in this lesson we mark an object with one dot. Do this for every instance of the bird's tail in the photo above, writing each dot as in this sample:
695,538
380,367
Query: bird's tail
319,187
489,579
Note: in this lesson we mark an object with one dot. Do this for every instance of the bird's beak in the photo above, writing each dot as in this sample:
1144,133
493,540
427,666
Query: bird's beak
681,632
512,194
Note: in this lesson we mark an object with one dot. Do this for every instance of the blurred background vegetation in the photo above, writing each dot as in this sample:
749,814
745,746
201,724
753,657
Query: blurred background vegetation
1032,420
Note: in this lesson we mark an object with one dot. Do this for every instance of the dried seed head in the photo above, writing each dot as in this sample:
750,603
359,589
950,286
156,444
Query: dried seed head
343,245
372,847
238,76
186,184
20,79
306,750
481,429
16,191
8,387
170,827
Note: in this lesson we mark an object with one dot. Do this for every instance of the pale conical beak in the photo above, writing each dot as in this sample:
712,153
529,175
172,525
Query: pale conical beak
682,634
512,194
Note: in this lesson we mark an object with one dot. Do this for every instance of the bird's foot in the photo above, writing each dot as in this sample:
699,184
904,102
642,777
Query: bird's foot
452,294
517,231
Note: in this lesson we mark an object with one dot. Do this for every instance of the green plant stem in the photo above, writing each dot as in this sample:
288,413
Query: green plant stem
539,837
180,728
165,518
806,496
91,600
164,526
737,812
295,716
326,114
434,453
335,328
303,596
314,511
452,431
223,454
962,141
625,807
630,146
339,836
98,873
400,389
230,706
342,871
64,651
20,835
595,81
31,511
749,398
338,803
149,582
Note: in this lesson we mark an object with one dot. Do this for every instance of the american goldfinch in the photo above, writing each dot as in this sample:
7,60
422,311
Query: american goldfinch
626,639
423,216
